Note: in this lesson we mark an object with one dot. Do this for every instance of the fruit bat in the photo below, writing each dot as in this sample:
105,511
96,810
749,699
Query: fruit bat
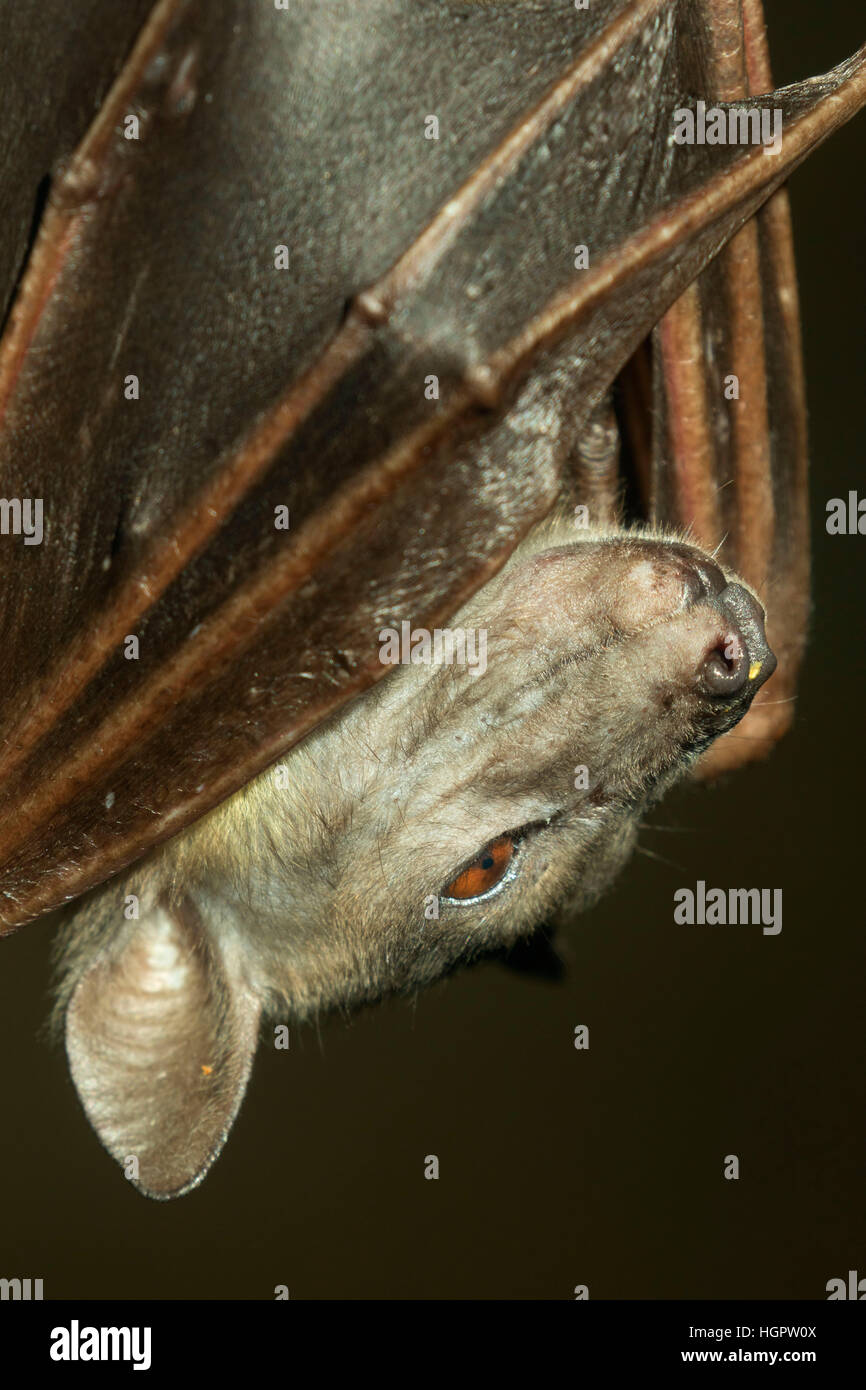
402,435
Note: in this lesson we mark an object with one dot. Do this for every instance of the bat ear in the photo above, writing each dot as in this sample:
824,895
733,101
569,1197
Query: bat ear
160,1036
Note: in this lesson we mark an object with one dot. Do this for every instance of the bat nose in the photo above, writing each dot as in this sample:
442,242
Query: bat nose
702,577
740,659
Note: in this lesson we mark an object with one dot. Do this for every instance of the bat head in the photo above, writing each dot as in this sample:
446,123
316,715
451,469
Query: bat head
494,778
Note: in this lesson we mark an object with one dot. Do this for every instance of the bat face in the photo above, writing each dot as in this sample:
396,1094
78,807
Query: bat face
486,783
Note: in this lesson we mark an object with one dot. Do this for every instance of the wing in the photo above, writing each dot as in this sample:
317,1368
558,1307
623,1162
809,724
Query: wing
259,292
718,415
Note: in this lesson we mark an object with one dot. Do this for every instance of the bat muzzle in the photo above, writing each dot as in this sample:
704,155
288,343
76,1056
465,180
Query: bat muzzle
740,660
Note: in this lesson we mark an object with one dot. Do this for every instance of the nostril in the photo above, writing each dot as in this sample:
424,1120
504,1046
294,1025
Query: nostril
725,667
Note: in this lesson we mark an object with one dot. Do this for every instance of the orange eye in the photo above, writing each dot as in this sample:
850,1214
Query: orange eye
485,872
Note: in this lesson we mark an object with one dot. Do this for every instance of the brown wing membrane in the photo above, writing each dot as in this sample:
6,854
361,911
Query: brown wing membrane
80,49
729,449
168,388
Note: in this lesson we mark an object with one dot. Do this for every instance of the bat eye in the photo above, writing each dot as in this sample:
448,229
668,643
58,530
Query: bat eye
484,873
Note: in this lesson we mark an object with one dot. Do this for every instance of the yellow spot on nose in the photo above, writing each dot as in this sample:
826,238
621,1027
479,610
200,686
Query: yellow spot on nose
754,669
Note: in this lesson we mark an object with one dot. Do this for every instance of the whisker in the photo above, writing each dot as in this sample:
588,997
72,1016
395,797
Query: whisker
651,854
724,537
670,829
752,738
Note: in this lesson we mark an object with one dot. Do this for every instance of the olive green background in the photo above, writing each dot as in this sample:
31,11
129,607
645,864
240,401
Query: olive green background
559,1167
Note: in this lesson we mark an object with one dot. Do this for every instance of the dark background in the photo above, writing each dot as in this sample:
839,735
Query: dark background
560,1167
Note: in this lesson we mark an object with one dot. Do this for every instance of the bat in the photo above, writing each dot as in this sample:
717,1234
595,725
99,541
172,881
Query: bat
396,504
